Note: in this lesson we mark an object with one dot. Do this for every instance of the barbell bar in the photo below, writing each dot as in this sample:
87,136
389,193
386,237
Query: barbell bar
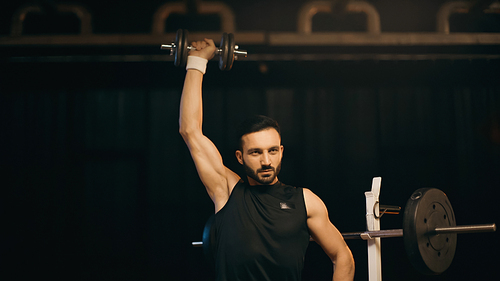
429,231
227,52
390,233
475,228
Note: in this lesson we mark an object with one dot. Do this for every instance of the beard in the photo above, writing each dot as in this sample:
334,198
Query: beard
262,179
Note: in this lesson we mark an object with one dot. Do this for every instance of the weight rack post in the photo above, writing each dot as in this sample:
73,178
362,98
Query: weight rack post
373,224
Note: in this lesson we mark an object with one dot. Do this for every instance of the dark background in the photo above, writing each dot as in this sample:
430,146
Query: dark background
98,184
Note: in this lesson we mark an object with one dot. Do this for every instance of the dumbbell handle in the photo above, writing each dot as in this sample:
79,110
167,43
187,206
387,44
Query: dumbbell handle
217,52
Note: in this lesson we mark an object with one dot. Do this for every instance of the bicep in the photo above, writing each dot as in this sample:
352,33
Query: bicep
322,230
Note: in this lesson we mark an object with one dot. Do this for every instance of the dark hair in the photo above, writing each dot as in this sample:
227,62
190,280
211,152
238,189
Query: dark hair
254,124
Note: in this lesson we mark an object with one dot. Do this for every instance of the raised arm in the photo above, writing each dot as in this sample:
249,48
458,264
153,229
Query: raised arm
328,237
218,179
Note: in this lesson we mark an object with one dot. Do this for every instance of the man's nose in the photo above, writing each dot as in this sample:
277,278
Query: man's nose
265,159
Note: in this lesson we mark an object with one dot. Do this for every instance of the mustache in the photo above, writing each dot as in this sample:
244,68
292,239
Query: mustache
265,168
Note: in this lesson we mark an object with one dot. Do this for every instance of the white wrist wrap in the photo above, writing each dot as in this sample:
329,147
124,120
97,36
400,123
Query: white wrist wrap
198,63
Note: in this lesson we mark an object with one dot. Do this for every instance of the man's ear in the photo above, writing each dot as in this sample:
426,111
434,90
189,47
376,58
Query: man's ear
239,156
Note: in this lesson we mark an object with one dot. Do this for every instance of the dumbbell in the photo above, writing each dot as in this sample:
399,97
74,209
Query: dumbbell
227,51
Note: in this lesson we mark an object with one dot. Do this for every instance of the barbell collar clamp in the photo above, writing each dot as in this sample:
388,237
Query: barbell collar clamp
367,235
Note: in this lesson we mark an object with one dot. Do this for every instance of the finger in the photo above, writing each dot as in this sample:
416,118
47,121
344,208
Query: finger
210,42
200,45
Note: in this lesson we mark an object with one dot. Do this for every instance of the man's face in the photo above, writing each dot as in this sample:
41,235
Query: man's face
261,156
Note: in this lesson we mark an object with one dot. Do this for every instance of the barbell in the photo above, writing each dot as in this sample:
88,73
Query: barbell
227,52
429,231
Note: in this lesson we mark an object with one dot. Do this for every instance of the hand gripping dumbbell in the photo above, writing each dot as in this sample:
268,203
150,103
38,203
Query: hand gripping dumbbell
227,51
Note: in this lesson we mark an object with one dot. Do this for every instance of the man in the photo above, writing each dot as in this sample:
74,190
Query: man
262,226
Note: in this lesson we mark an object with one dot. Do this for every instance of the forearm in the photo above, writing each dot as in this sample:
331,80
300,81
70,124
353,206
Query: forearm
343,267
191,108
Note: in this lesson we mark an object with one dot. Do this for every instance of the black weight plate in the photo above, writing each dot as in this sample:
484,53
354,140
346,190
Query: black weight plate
209,240
426,210
178,47
184,49
230,51
224,44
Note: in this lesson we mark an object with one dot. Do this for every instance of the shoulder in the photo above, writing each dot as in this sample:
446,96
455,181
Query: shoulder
314,204
309,195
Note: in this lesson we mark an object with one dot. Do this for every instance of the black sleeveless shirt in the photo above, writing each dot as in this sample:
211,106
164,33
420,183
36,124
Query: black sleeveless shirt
261,234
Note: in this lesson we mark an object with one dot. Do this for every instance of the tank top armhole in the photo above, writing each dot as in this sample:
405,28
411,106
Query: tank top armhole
305,207
230,196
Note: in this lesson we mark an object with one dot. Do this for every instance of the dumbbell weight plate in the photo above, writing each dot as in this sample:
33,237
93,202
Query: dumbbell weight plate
224,45
230,51
426,210
209,240
185,51
179,46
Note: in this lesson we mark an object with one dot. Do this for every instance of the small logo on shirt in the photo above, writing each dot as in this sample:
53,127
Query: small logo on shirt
285,206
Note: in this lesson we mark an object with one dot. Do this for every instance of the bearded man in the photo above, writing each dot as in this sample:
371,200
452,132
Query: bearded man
262,226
